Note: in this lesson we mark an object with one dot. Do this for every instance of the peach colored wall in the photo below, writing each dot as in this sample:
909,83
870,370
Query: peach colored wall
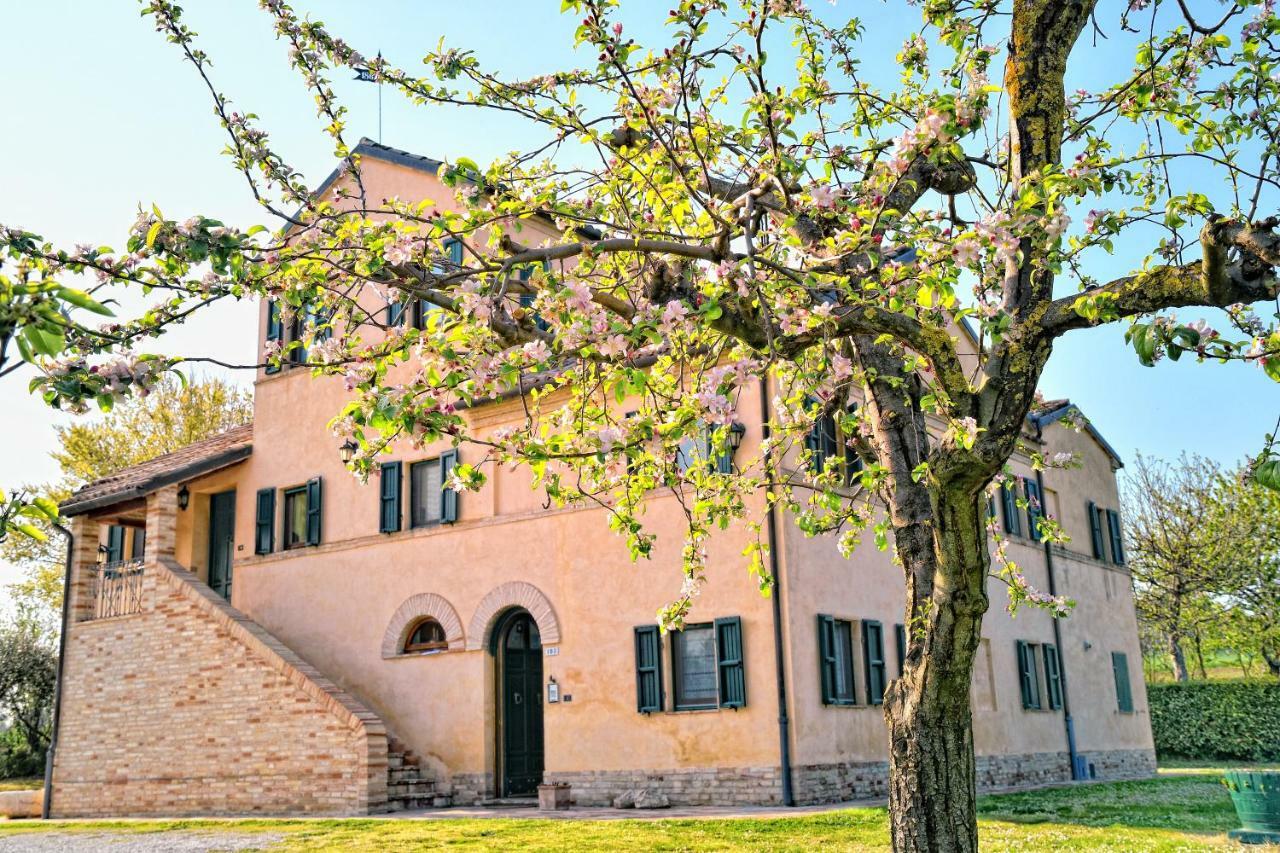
333,603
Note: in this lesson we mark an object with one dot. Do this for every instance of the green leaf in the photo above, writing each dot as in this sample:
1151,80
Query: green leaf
80,299
153,232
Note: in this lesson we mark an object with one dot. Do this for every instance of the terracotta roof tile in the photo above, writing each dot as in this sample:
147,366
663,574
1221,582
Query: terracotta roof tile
135,481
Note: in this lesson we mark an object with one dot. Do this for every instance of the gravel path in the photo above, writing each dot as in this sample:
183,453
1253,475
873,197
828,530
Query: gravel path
135,842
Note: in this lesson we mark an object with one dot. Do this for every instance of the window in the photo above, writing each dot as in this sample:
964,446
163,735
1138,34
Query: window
693,657
275,329
835,657
389,497
264,522
648,669
873,660
1028,674
451,259
1053,676
1009,507
900,640
827,443
1117,537
426,636
1094,512
699,449
139,549
301,524
527,299
1124,691
430,501
1035,507
295,517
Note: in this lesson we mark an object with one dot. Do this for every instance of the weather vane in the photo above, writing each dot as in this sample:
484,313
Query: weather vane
368,74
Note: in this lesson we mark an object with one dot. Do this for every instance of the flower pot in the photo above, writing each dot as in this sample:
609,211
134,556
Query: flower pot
553,796
1256,796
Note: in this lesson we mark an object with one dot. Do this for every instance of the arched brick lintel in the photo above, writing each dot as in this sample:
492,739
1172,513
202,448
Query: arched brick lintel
411,612
504,597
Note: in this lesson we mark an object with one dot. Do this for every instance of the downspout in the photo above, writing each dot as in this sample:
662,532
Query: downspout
775,577
57,684
1067,721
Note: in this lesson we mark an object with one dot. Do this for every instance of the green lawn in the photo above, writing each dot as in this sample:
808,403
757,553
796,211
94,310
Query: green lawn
1183,811
21,784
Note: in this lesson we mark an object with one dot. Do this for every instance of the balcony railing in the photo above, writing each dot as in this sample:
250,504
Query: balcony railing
116,589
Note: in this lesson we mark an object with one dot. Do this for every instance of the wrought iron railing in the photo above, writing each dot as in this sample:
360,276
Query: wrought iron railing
116,589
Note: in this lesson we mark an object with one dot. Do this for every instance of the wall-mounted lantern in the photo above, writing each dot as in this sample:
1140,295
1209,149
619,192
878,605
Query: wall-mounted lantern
348,451
184,497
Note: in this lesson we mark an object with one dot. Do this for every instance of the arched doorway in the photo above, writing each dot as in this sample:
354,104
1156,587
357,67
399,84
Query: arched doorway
517,650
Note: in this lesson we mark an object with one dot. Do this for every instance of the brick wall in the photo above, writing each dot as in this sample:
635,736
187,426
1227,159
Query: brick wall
190,708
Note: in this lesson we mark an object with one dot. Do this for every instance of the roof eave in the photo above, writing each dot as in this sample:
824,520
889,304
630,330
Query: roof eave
198,468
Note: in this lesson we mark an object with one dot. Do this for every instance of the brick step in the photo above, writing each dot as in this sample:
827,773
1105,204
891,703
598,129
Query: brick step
409,787
420,788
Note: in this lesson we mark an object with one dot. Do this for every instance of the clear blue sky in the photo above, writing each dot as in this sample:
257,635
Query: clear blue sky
99,114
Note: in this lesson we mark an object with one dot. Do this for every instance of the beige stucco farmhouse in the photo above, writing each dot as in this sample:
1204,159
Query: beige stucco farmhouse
253,630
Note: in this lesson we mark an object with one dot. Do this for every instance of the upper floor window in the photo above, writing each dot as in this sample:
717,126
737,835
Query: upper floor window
430,499
295,517
835,656
427,636
694,667
829,445
420,310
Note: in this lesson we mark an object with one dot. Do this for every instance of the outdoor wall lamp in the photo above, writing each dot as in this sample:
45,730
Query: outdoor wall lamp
348,451
184,497
102,554
736,432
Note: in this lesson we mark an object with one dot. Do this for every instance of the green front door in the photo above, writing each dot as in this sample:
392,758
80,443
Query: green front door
521,692
222,534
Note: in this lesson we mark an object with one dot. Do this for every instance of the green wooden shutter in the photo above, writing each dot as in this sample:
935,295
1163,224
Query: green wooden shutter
1035,508
264,522
729,662
448,497
389,497
1124,692
453,248
1009,505
991,507
1117,537
314,506
275,329
900,640
648,669
827,657
873,660
139,549
1095,530
115,543
1053,676
1027,676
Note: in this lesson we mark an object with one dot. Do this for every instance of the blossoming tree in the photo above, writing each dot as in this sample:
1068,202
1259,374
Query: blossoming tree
735,206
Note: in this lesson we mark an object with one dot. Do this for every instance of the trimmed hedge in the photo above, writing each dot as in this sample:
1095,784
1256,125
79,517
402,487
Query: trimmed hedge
1214,720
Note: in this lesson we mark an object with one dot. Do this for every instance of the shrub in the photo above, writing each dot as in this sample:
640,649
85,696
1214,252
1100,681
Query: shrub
17,759
1215,720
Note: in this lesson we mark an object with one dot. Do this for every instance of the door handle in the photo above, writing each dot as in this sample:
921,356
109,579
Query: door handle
516,698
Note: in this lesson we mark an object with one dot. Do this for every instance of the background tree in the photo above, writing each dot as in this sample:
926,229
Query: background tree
28,669
1255,597
172,415
735,205
1183,544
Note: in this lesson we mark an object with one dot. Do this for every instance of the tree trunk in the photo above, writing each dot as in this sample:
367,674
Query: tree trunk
932,785
1273,661
1204,674
1179,657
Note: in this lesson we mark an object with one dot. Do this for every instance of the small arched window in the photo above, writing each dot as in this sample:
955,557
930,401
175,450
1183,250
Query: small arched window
426,636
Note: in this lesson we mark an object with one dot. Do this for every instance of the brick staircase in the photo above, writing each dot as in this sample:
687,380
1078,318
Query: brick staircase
408,785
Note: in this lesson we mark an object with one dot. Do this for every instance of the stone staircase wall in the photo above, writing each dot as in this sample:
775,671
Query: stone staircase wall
188,707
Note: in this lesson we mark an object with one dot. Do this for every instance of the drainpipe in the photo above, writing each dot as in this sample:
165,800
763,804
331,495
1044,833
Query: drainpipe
1067,721
771,531
57,684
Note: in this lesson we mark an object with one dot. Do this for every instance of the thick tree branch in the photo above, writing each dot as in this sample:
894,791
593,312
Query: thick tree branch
1238,266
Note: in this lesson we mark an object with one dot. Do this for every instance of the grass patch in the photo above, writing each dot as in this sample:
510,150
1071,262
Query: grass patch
1188,811
22,784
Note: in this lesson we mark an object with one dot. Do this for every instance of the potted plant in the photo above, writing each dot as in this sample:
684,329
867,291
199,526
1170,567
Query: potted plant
1256,796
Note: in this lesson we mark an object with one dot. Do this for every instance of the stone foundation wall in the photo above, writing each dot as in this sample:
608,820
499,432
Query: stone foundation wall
189,708
1122,763
841,782
833,783
720,786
